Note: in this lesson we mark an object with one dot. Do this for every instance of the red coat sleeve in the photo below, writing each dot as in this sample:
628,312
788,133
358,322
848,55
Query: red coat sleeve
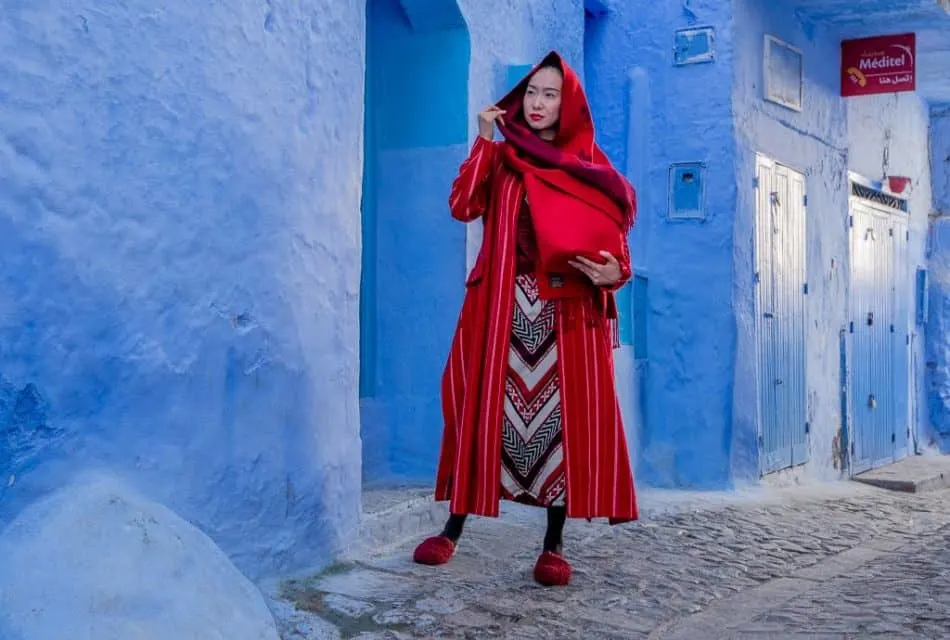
626,272
468,199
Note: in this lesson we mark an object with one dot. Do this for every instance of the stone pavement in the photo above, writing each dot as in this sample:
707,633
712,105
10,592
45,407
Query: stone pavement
843,560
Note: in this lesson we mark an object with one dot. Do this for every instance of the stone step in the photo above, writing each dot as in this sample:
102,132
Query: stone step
915,474
393,516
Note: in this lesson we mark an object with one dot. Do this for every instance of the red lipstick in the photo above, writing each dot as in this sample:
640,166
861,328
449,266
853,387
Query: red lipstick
536,117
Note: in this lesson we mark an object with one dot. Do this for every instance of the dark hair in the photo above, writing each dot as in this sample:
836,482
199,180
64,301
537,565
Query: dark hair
550,65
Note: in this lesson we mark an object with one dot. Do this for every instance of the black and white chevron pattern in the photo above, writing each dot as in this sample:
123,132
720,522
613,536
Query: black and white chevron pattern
527,455
532,446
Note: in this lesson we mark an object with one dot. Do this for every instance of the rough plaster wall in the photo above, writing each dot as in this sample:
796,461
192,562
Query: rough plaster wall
815,143
675,115
938,346
179,217
938,327
940,158
828,138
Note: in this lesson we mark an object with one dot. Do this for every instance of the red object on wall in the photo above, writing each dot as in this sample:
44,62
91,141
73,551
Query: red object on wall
883,64
897,184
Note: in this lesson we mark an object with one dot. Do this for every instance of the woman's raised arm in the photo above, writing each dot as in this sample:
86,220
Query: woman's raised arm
468,199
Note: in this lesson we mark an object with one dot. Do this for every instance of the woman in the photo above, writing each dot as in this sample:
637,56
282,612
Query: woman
531,413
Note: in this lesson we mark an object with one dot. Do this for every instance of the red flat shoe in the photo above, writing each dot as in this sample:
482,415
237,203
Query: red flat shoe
434,551
552,570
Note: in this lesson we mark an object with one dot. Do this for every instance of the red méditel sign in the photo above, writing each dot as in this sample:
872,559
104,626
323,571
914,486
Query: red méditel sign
883,64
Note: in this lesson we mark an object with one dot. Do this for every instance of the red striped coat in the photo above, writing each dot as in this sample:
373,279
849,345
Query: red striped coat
599,477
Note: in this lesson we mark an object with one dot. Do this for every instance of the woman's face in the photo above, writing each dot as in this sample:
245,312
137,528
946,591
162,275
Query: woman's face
542,99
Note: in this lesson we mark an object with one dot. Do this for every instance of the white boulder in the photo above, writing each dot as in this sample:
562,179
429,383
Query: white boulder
95,561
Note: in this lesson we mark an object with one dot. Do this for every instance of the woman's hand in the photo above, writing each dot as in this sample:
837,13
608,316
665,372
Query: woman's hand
602,275
486,121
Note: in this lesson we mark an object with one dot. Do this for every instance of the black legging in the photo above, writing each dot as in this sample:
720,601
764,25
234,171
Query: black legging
553,536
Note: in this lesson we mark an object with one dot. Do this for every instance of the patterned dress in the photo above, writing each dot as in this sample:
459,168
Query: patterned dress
532,457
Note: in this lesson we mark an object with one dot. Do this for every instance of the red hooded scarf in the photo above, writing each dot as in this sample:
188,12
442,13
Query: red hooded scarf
573,149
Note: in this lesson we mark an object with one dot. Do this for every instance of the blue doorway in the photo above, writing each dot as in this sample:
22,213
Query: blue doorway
416,126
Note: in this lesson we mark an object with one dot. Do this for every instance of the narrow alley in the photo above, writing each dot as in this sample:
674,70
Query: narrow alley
278,274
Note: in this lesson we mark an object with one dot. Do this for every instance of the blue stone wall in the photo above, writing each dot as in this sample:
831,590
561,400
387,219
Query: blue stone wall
179,220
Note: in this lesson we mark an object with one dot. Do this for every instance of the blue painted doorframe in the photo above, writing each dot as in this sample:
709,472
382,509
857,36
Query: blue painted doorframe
879,328
781,288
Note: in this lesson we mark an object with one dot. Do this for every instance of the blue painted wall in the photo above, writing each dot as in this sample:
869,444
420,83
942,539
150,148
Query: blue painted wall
414,253
650,114
938,326
600,83
178,220
938,347
829,137
940,158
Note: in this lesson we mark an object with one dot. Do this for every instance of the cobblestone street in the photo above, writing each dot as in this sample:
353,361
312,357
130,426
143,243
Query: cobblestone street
834,561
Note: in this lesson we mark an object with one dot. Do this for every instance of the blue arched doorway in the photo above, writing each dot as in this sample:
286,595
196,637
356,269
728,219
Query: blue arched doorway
413,261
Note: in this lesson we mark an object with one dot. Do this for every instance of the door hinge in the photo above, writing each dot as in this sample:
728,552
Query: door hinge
907,339
893,437
892,328
907,235
850,221
755,182
805,289
852,447
851,328
805,200
807,428
756,278
890,232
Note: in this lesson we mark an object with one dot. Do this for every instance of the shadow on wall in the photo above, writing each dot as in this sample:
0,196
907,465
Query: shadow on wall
26,438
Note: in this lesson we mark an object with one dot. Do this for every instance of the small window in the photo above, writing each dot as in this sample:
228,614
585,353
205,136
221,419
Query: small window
687,191
694,46
784,72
